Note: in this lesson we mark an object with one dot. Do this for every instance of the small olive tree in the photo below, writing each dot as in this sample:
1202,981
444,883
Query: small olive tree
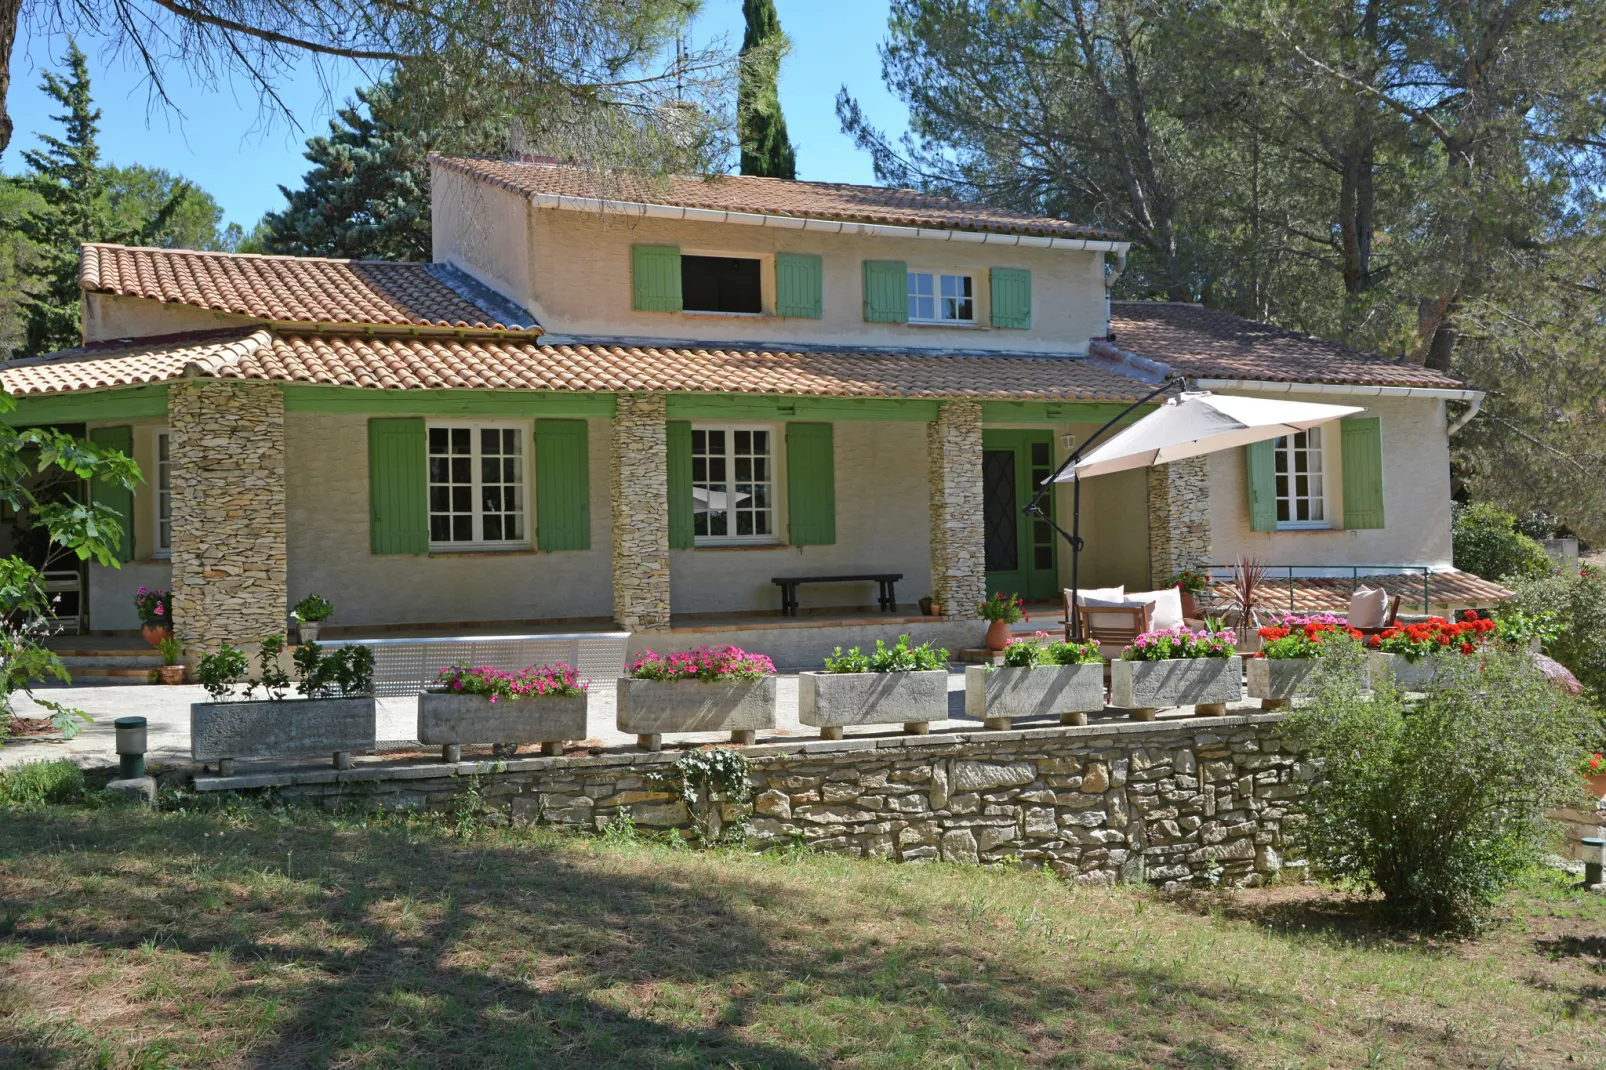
1439,805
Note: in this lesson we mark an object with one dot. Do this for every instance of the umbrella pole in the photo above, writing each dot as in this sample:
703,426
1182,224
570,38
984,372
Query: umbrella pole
1076,555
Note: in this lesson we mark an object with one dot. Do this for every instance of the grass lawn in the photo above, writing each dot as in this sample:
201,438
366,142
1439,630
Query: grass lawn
250,937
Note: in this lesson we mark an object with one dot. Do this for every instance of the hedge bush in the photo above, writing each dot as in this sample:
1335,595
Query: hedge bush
1486,542
39,783
1578,599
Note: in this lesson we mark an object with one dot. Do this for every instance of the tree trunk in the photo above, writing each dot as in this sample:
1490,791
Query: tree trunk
10,14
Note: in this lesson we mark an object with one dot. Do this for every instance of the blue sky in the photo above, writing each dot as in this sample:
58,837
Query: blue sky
220,140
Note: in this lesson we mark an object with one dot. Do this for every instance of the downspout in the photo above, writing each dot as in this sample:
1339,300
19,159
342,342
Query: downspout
1466,417
1110,278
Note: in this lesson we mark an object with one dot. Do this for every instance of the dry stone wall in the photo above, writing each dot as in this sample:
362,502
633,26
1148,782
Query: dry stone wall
1179,518
958,533
1171,802
640,467
228,501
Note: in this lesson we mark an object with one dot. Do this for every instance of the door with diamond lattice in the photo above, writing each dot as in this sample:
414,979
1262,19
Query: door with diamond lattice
1020,550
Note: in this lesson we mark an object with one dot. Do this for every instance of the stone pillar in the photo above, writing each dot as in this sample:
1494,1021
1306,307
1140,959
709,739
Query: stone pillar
640,469
1179,518
958,546
229,553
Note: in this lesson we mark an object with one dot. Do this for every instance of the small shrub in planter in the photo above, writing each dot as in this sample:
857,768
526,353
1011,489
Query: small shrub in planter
309,615
1177,667
545,705
1289,656
236,725
900,684
710,689
1037,678
1414,654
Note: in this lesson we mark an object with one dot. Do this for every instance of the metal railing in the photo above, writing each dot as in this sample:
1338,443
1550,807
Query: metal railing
407,666
1277,572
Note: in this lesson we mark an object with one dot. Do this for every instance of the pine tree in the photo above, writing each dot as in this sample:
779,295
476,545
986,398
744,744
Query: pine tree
766,150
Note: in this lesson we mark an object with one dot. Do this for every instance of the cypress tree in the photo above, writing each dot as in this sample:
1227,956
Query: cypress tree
761,127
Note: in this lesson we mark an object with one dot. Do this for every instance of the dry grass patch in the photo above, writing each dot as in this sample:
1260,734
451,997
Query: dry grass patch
259,938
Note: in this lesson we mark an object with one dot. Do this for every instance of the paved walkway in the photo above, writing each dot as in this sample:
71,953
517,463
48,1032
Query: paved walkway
167,711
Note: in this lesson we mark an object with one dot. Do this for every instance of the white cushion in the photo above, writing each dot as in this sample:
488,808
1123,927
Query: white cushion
1167,607
1368,607
1106,594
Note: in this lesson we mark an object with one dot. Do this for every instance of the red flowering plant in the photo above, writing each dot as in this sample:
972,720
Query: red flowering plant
1595,765
1436,636
1190,581
1302,637
1002,607
1175,643
547,681
707,663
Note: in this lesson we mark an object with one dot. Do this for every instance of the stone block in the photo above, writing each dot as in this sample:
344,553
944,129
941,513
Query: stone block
1037,691
267,729
444,717
1096,778
986,776
959,846
650,707
140,791
1175,682
773,804
836,700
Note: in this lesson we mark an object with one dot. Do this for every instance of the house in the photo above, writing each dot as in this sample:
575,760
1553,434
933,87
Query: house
635,401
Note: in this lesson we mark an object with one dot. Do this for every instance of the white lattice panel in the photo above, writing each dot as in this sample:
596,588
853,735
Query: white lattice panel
407,666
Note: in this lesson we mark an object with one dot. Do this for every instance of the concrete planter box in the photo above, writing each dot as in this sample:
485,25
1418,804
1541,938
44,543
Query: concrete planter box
1278,680
1418,675
451,720
830,701
223,731
1144,686
1072,691
649,708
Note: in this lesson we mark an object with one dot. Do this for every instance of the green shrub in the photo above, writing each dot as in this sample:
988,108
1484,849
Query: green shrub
900,657
1487,542
38,783
1578,634
1440,806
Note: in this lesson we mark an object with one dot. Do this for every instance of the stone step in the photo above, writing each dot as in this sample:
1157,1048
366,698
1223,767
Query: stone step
120,660
977,655
106,677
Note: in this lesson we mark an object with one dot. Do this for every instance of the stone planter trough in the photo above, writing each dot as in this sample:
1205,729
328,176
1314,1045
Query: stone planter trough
1207,683
1275,681
996,695
224,731
451,720
830,701
649,708
1416,675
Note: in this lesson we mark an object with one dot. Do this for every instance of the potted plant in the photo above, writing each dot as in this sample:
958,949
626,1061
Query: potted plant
710,689
1177,668
545,705
1289,656
1000,611
171,671
237,725
155,614
1037,678
1191,582
1414,653
900,684
1595,775
309,615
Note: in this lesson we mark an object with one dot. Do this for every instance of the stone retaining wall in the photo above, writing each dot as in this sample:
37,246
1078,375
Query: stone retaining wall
1167,802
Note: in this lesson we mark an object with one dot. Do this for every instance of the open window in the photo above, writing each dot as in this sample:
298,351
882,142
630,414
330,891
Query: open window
720,284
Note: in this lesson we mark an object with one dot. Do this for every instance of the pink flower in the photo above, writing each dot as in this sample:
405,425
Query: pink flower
158,609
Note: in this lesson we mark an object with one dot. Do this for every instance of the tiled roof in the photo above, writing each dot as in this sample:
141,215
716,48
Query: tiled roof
398,363
286,289
130,363
1446,591
1205,343
834,201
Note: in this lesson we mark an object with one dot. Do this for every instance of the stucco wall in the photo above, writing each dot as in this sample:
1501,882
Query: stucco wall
482,229
327,461
1416,496
111,590
108,316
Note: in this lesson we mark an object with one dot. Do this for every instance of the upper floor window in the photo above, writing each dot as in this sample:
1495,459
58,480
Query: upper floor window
164,496
476,486
720,284
733,484
935,298
1301,480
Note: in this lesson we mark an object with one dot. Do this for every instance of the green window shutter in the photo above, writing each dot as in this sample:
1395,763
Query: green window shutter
562,485
398,482
1262,485
1011,297
682,535
1363,472
810,485
655,278
886,291
798,285
117,497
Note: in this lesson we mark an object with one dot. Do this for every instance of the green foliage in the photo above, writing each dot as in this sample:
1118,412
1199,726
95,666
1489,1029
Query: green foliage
1024,653
710,782
42,783
270,674
1180,643
1440,806
170,649
1487,543
219,673
1578,601
900,657
313,609
761,128
1002,607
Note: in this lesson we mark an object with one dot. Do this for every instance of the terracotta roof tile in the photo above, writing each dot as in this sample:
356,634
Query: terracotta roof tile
1206,343
834,201
130,363
286,289
1447,591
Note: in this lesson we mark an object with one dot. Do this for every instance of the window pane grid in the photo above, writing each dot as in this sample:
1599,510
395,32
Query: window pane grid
733,483
1300,480
937,298
476,485
164,494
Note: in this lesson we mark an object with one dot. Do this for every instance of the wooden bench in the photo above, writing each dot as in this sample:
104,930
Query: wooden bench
886,597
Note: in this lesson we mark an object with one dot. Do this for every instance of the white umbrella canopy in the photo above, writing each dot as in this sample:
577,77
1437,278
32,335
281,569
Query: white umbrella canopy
1199,423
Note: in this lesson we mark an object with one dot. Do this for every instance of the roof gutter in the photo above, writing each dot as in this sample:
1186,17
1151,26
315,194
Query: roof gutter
829,226
1348,389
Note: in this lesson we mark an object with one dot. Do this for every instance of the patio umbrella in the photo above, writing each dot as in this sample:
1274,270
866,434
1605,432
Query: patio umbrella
1200,423
717,501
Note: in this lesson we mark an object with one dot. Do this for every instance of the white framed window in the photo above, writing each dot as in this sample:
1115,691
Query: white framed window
1301,480
477,486
732,483
937,298
164,496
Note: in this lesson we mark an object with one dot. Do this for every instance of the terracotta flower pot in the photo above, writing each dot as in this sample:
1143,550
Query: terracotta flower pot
1596,785
998,635
155,633
1190,605
170,674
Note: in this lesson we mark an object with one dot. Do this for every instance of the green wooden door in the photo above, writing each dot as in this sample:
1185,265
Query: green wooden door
1021,555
